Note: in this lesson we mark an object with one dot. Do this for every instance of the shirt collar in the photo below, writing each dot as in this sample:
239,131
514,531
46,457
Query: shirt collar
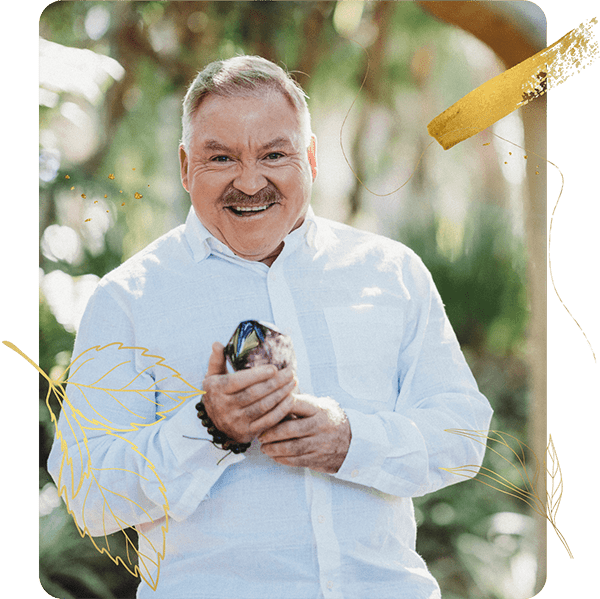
203,243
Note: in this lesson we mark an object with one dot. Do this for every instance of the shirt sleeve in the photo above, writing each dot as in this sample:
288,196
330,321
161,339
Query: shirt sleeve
129,447
405,452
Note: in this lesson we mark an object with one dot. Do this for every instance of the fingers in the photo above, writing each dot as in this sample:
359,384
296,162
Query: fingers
216,362
318,439
273,417
248,386
289,429
269,391
245,403
255,410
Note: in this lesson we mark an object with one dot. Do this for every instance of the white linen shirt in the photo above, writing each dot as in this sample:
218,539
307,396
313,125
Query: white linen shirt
369,330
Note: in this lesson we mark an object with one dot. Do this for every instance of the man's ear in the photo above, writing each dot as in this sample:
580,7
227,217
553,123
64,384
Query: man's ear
183,164
312,156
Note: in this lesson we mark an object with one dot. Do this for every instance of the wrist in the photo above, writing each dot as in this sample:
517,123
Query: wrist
220,439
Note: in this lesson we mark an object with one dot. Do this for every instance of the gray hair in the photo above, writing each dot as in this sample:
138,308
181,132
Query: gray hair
243,76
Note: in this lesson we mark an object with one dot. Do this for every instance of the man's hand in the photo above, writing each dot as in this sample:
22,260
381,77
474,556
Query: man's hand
243,404
318,438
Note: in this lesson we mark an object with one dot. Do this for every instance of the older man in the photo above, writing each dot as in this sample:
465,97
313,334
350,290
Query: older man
319,505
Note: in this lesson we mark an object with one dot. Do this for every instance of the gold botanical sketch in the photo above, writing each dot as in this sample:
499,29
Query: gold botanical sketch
525,488
552,217
77,465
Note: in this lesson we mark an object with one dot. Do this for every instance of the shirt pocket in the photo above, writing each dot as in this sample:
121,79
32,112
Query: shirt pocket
366,341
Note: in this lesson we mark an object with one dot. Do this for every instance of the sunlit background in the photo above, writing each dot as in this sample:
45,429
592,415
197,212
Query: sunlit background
112,78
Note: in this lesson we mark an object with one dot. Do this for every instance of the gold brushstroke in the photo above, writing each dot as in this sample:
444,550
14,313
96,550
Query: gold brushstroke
516,87
79,423
527,492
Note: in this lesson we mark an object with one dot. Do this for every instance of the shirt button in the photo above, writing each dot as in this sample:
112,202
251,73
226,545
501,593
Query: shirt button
354,473
330,585
321,519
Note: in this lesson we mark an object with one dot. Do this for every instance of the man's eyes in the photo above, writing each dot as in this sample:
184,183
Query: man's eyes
224,158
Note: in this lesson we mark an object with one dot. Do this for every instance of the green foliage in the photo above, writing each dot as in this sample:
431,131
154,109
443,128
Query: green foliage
481,278
71,568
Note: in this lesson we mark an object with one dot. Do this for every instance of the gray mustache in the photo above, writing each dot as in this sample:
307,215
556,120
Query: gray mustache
266,195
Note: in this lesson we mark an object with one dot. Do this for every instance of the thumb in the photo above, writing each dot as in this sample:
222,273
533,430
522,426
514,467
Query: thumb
304,405
216,362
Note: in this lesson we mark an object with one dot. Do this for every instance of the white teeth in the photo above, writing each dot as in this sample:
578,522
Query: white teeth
249,209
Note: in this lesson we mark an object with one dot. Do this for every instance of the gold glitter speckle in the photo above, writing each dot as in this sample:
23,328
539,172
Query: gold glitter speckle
487,144
67,177
87,220
83,196
138,196
111,176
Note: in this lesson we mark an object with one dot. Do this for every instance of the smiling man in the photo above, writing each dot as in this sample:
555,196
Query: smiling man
248,171
319,505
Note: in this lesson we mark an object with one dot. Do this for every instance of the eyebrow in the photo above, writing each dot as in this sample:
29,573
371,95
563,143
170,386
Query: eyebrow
216,146
278,142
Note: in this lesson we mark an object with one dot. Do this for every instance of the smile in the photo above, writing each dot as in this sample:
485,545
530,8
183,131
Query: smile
248,210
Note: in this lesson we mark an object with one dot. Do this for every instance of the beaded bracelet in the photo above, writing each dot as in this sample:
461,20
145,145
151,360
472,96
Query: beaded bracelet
220,439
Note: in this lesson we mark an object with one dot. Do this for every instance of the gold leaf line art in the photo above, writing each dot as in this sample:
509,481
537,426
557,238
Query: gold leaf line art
77,467
560,192
169,399
547,506
562,184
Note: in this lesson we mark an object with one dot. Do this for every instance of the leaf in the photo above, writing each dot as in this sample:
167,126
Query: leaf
78,476
160,385
83,479
522,454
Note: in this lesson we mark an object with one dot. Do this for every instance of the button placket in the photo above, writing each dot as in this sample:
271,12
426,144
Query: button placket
286,320
328,551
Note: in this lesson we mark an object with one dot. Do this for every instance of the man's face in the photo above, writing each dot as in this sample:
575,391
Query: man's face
248,172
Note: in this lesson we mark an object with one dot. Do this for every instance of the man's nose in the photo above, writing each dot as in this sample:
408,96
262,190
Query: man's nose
250,180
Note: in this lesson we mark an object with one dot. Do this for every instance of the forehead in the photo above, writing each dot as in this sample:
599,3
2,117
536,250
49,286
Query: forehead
246,119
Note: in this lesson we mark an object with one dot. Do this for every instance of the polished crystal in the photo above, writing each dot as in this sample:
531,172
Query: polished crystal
254,343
